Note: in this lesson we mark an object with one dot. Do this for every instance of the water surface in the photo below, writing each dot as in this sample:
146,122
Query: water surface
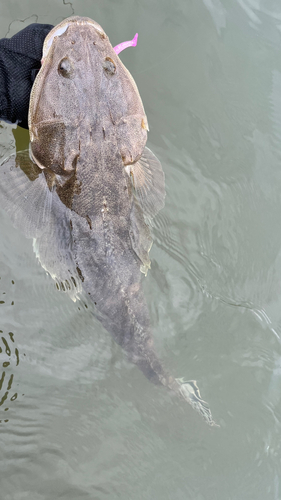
77,420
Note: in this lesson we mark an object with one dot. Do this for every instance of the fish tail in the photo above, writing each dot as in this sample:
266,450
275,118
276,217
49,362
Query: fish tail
189,391
152,368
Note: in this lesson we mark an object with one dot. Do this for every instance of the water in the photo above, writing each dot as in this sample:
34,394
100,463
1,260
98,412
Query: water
77,419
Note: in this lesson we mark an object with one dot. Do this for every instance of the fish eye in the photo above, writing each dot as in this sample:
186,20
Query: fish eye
65,68
109,66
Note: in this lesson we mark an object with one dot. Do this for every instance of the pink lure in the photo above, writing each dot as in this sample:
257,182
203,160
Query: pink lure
131,43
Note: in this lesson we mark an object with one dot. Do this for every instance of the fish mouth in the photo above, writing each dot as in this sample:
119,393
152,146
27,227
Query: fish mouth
62,27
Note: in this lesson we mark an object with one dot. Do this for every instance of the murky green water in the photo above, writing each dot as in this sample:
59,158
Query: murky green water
77,420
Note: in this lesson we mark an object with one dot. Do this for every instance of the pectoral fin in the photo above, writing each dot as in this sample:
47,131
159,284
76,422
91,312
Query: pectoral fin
54,249
38,213
24,194
148,181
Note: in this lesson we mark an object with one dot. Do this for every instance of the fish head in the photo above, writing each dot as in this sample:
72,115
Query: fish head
83,93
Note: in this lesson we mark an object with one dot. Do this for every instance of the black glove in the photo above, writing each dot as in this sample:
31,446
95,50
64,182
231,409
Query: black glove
20,60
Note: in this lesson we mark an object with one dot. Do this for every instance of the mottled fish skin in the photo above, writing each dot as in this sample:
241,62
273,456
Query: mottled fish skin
88,133
100,187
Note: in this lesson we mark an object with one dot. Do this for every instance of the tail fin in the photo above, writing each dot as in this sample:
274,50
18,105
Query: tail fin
190,393
152,368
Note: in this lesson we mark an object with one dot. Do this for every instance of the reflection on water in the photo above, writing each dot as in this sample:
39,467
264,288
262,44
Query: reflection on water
9,357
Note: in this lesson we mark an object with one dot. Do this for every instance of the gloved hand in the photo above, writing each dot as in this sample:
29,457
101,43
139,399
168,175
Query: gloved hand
20,60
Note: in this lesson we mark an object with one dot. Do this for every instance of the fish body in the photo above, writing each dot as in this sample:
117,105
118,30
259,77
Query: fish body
89,188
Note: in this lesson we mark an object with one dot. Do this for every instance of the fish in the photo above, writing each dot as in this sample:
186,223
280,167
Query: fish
88,188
